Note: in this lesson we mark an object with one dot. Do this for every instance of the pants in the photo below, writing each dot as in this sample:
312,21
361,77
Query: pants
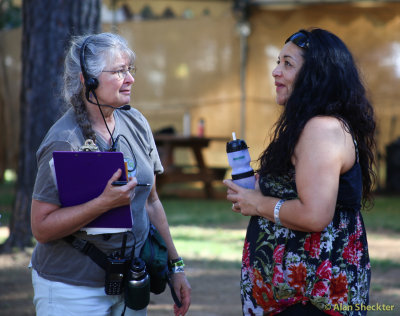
57,298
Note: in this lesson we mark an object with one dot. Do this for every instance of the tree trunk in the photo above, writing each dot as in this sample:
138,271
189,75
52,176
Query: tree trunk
47,28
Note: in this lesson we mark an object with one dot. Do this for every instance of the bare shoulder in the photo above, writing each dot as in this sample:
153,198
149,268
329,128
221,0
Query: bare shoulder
324,123
328,134
324,133
325,127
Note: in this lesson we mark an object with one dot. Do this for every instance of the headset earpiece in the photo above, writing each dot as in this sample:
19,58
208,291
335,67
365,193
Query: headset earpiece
91,83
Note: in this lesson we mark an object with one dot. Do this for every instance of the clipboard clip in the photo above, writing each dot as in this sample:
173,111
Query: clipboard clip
89,146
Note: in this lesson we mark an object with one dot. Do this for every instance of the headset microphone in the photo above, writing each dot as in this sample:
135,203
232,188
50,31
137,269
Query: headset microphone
125,107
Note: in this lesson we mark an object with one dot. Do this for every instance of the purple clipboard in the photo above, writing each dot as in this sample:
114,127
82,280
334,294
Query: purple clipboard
82,176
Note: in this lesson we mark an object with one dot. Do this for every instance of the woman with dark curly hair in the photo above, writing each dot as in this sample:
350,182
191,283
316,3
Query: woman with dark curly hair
306,249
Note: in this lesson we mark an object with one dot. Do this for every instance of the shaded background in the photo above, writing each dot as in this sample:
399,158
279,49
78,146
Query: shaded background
199,59
189,60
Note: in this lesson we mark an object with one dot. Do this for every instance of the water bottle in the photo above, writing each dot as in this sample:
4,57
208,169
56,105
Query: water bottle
239,160
137,292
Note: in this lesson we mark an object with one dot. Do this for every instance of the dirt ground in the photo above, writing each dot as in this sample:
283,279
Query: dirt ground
214,292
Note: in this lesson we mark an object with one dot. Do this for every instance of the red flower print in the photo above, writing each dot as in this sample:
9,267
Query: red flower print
262,292
312,244
278,254
338,289
320,289
297,276
278,275
324,271
353,251
246,254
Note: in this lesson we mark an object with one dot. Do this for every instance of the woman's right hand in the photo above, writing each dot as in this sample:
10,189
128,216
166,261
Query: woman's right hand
115,196
51,221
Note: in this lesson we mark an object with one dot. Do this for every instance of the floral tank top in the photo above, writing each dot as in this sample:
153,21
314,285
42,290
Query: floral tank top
330,269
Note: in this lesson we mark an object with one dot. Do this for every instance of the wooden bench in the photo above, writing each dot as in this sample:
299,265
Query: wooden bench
187,174
193,173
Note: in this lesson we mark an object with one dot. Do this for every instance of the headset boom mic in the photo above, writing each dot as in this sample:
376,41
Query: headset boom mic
125,107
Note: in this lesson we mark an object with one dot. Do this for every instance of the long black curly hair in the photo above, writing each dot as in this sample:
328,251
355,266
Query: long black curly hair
327,84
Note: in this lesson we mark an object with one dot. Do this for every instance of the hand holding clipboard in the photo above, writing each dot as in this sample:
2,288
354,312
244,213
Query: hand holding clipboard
83,176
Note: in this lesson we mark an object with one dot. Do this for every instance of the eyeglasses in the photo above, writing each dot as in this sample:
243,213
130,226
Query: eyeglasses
123,73
300,39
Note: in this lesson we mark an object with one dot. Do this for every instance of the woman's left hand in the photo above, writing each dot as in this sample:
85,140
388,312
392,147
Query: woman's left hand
182,289
243,200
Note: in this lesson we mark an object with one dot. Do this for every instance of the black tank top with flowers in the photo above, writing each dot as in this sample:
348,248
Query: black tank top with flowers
330,269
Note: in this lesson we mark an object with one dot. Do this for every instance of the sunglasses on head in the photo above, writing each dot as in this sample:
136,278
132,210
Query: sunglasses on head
300,39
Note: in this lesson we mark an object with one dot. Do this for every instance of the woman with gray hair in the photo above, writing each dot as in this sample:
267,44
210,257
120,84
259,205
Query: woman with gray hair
99,73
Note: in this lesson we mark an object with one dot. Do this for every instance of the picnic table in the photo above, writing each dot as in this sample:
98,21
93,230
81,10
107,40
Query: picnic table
200,171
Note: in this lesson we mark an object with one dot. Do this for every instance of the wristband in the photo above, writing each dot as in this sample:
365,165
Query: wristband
174,261
176,265
178,269
276,212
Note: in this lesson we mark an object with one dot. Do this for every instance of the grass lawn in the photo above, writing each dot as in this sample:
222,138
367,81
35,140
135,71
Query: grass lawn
209,230
211,233
385,215
210,237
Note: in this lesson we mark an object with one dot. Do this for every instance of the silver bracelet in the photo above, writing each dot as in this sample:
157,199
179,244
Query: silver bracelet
276,212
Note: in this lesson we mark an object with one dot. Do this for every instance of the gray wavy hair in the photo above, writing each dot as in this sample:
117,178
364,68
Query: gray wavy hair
100,49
